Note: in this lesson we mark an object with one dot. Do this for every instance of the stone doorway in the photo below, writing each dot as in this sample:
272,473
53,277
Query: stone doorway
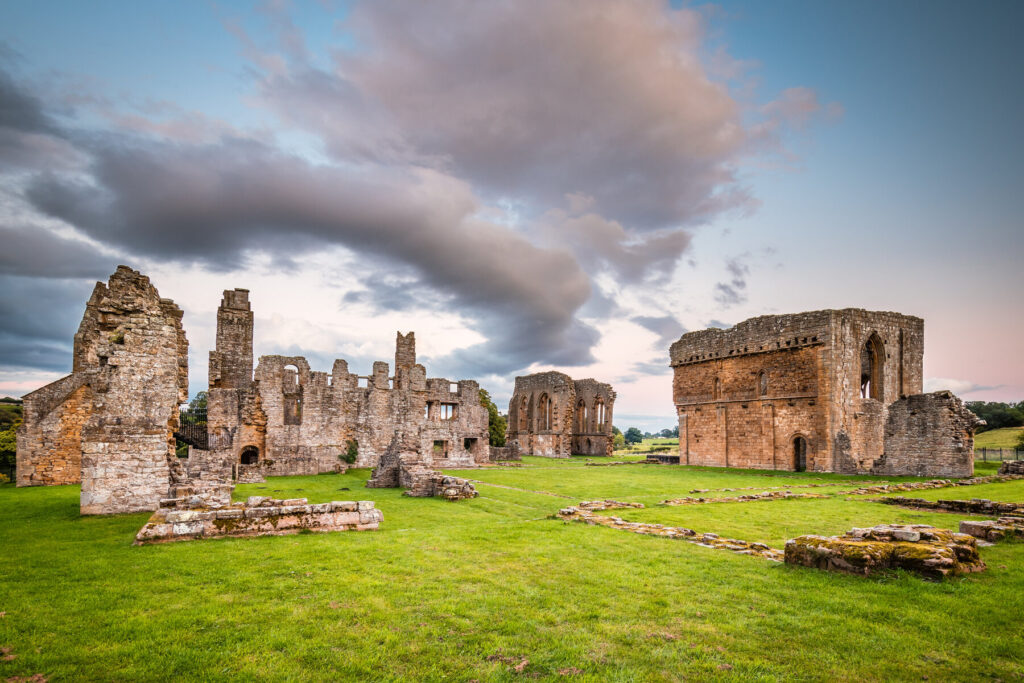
800,454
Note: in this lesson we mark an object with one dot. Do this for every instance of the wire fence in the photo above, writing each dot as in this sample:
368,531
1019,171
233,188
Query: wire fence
998,454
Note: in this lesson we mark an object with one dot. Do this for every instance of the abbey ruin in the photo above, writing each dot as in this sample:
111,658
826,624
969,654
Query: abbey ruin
829,391
555,416
115,422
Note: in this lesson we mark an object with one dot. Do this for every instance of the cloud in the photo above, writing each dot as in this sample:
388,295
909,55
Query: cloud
733,292
666,327
40,318
532,100
28,136
957,386
36,251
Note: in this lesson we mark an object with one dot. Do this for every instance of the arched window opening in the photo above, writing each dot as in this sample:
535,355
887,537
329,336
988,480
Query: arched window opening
872,362
524,414
544,413
762,383
599,414
250,455
800,454
581,416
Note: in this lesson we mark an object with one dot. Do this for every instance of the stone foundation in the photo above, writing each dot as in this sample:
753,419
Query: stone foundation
994,531
259,516
926,550
750,497
977,506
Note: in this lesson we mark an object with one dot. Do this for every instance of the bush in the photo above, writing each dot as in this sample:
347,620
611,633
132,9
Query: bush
351,452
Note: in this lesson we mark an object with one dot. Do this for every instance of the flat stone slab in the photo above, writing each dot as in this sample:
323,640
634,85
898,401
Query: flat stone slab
994,531
926,550
259,516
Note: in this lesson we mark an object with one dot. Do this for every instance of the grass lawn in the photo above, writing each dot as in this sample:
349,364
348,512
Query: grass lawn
998,438
472,590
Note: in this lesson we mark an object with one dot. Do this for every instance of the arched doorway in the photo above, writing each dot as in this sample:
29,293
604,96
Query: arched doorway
799,454
872,365
250,455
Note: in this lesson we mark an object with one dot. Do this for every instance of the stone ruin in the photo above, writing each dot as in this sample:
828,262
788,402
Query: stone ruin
555,416
926,550
402,466
114,423
110,423
993,531
1012,467
829,391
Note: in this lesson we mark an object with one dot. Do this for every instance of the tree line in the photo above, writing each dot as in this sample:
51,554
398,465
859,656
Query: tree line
998,415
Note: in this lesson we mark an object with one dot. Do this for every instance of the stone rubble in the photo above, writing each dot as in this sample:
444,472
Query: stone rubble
767,495
926,550
258,516
402,467
994,531
709,540
1012,467
979,506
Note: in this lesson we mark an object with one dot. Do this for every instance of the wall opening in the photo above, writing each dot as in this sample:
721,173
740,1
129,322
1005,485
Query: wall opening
544,413
469,444
872,361
581,416
524,415
599,414
762,383
800,454
440,449
448,411
293,409
250,455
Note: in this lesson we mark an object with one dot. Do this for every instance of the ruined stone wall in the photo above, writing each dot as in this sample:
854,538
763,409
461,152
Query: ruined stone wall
231,359
745,410
822,383
592,418
526,421
136,342
929,435
576,408
49,450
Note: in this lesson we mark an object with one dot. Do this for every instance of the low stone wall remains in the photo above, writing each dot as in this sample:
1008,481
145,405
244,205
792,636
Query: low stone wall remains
978,506
747,498
926,550
586,515
932,484
259,516
994,531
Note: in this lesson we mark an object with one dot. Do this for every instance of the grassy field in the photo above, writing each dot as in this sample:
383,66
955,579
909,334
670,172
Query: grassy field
998,438
496,589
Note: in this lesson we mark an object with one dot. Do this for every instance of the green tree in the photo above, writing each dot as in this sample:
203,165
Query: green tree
633,435
997,415
1020,441
199,401
8,445
616,430
618,440
496,422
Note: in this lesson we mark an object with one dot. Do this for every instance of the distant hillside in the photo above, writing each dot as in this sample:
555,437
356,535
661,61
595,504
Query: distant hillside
998,438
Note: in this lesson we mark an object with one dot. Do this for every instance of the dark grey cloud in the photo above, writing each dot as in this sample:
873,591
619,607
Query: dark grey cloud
666,327
40,317
38,252
28,136
214,203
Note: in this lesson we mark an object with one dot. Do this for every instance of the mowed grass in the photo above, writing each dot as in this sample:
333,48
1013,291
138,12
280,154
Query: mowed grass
494,588
1007,437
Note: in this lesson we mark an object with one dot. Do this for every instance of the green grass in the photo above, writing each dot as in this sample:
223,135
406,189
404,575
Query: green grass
1007,437
467,590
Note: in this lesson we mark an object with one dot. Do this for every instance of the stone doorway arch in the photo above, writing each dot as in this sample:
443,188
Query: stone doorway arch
799,453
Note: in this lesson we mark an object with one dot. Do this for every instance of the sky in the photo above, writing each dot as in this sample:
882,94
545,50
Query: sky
529,185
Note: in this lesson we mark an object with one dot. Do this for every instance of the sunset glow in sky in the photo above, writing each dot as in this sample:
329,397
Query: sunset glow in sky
528,185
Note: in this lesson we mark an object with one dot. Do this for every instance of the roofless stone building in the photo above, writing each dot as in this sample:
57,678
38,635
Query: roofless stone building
553,415
114,422
830,391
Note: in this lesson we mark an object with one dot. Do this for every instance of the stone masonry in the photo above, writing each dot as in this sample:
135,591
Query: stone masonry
829,391
110,423
552,415
287,419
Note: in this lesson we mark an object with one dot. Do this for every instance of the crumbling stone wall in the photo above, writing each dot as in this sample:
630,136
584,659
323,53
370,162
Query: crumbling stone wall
113,418
929,435
818,391
287,419
552,415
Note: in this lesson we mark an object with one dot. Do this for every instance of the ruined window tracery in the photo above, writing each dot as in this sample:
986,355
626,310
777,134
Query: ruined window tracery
544,413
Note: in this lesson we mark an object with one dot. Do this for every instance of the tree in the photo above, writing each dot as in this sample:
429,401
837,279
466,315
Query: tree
616,430
8,445
1020,441
998,415
633,435
496,422
199,402
618,440
667,434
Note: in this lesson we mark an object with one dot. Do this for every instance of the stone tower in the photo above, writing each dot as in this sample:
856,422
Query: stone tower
231,362
405,358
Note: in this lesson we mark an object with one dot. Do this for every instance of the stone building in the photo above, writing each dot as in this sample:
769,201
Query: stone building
110,423
287,419
552,415
830,391
114,422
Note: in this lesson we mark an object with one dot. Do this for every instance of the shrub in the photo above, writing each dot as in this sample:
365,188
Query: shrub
351,452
